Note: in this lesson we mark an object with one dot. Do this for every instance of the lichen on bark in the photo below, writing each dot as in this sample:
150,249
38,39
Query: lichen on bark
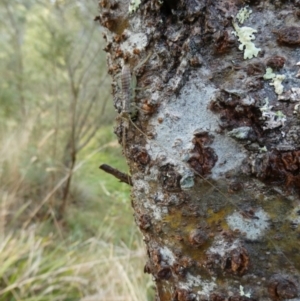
214,149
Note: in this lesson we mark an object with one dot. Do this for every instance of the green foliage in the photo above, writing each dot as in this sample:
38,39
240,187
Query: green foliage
54,95
104,197
91,255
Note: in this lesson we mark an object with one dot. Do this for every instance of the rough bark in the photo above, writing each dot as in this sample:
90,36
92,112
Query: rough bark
214,148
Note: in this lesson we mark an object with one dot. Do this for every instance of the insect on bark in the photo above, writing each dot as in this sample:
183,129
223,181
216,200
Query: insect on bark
128,87
127,96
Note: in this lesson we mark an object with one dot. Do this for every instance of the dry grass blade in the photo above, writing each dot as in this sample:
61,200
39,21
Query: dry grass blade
35,268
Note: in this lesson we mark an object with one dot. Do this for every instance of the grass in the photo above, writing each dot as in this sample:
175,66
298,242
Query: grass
54,76
39,268
96,254
100,199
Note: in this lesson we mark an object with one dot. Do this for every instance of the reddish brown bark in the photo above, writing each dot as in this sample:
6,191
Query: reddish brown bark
217,199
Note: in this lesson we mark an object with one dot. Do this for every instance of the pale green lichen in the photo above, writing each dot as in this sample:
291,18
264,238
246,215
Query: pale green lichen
269,74
277,83
187,179
263,149
241,133
294,216
272,119
297,109
243,14
187,182
276,80
279,114
133,6
245,35
242,293
265,107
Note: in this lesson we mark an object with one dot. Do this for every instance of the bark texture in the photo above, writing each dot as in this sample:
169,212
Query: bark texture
214,148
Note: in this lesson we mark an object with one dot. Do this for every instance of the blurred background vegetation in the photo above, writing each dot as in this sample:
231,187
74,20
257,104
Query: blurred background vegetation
66,229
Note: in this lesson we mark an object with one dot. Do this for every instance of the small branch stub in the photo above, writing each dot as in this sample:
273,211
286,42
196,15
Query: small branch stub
125,178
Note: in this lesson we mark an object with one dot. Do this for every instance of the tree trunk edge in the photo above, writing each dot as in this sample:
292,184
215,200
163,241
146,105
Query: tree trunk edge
211,143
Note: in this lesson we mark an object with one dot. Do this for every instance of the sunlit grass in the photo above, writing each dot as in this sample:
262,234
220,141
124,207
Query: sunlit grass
102,198
41,268
94,254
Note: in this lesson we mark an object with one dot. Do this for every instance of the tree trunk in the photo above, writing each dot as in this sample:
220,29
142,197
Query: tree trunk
214,147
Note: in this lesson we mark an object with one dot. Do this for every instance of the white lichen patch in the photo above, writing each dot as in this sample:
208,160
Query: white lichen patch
182,116
167,256
205,286
221,247
141,186
292,95
133,6
241,133
142,190
263,149
252,227
276,80
246,35
243,14
158,212
296,110
272,119
134,41
294,216
242,292
174,200
298,73
248,101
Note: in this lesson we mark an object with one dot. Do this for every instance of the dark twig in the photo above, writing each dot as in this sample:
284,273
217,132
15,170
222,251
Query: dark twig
117,174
